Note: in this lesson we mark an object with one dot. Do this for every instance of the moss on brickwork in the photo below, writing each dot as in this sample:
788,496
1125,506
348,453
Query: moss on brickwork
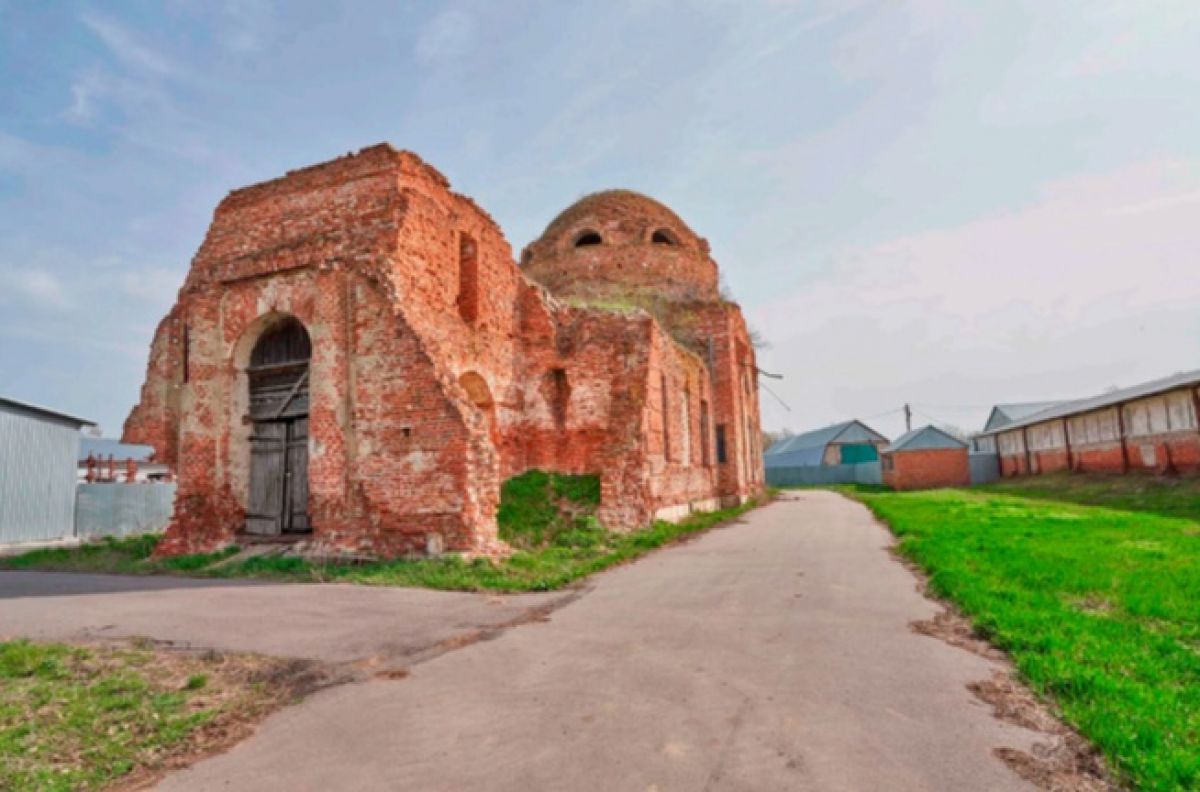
540,509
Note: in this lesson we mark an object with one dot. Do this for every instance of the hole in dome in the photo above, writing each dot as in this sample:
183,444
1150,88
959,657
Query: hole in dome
588,238
663,237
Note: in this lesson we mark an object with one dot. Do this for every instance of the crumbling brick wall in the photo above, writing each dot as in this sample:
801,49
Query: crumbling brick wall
438,369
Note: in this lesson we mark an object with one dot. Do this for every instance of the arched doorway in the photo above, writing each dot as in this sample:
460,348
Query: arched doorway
278,376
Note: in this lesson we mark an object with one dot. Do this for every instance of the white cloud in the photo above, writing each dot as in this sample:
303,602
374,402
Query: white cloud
445,38
126,46
33,285
1090,286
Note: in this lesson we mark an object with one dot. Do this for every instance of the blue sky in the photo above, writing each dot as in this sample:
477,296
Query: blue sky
946,203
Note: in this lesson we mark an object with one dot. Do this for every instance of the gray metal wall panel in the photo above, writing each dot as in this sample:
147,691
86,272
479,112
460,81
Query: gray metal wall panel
123,509
866,473
37,477
984,468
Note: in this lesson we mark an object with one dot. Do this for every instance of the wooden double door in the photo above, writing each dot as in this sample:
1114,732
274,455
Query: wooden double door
278,477
278,375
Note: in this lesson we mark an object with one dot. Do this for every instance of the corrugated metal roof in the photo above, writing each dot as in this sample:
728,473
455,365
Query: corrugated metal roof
809,448
924,438
1064,409
44,411
1004,414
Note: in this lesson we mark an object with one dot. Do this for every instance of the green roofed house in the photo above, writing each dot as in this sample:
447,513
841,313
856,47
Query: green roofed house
843,452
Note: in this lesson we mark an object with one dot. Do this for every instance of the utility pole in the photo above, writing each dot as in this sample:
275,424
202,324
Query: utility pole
907,418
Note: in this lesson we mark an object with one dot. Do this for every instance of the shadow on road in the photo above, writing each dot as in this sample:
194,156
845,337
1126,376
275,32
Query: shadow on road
31,583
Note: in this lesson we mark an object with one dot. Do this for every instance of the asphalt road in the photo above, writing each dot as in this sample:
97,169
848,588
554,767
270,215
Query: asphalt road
335,624
774,654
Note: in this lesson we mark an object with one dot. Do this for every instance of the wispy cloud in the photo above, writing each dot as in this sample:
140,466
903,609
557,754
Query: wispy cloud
33,287
445,38
127,47
95,88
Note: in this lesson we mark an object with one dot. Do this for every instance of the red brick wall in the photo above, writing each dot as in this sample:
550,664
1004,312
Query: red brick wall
928,468
1049,460
438,370
1178,451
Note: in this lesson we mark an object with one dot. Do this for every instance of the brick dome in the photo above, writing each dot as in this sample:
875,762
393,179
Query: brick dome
618,242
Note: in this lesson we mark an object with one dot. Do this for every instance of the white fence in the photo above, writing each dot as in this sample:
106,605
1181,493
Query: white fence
122,509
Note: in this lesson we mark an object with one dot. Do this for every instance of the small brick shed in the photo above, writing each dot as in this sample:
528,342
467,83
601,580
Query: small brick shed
356,361
926,458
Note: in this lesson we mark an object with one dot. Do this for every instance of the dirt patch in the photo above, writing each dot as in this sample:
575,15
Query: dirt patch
1092,604
957,631
243,688
1060,765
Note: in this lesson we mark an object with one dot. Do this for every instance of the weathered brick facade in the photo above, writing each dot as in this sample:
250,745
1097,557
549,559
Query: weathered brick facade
927,468
1157,433
439,368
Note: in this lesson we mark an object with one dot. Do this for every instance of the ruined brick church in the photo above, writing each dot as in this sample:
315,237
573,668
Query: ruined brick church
355,360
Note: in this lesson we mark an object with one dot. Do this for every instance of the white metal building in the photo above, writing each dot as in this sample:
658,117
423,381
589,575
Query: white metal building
38,453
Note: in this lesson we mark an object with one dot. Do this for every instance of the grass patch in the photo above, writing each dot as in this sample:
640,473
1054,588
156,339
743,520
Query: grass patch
1098,607
78,718
559,558
1137,492
128,555
540,509
549,519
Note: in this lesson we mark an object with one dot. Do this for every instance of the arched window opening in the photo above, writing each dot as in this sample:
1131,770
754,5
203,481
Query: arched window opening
468,279
664,237
481,396
285,342
477,390
588,238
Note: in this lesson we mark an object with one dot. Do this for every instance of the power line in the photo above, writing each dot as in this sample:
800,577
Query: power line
880,415
763,385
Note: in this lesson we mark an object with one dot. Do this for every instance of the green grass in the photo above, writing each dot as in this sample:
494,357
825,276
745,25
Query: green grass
547,518
569,555
1098,607
128,555
1137,492
539,509
76,718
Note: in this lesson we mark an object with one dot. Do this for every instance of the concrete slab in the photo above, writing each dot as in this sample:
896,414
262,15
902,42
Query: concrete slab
331,623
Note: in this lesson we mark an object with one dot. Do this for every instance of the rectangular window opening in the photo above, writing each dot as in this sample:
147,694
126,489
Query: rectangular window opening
666,433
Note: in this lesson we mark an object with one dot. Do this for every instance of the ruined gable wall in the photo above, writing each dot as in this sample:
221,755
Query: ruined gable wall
735,398
681,460
317,246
